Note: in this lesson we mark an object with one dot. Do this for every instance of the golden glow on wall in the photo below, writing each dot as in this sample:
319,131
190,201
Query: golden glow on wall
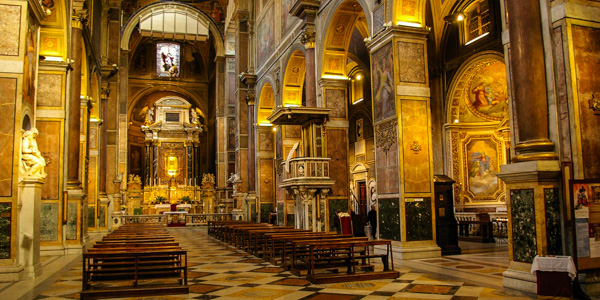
348,17
266,104
409,13
293,80
172,165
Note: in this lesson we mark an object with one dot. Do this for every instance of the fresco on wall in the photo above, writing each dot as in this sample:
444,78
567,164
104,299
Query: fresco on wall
167,59
265,38
482,165
287,19
487,96
383,83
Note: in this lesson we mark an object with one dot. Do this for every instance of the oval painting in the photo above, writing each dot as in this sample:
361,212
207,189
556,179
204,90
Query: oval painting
487,95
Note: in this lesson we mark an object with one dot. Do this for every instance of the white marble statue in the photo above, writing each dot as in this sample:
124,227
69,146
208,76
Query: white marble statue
32,161
193,116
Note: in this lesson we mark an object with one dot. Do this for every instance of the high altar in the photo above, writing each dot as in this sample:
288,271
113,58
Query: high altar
170,174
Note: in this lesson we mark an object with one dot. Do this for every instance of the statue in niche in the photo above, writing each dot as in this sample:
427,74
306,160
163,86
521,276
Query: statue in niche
193,116
149,115
234,179
32,161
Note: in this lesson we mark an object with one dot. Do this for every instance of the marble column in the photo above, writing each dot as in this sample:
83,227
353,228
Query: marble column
308,39
529,96
74,113
103,142
403,141
221,100
533,178
30,202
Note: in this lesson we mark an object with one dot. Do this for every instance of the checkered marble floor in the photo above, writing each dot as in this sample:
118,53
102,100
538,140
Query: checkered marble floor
218,271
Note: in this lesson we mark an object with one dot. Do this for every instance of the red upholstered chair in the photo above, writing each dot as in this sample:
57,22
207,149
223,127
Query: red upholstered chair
174,207
345,223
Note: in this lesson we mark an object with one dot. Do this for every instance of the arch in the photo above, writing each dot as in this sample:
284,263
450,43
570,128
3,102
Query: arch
409,13
134,21
293,79
191,98
266,104
348,14
455,94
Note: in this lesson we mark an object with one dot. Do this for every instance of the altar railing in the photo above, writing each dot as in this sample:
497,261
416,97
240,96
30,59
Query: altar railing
307,168
190,219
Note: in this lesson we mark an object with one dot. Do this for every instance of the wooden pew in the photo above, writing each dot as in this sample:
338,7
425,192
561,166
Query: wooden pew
351,255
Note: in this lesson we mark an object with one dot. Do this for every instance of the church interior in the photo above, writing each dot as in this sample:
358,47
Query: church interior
413,120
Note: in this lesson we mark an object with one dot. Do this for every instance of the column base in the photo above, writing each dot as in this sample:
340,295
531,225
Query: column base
32,271
413,252
520,281
10,273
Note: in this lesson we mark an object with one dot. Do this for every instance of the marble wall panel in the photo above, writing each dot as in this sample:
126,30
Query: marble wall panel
265,212
419,225
49,222
335,206
253,215
280,214
102,216
411,62
8,86
50,90
265,140
523,225
553,231
338,165
10,26
586,46
5,229
336,100
386,151
290,220
562,96
378,17
389,218
265,170
415,142
91,216
49,141
384,100
71,230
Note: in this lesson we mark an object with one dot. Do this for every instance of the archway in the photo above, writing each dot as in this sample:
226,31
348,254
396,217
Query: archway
346,88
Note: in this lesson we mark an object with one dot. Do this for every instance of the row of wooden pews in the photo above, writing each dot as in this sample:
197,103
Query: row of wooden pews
323,257
135,260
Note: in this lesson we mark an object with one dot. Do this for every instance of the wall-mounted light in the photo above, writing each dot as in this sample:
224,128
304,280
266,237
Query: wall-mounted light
274,129
53,58
358,76
338,77
455,17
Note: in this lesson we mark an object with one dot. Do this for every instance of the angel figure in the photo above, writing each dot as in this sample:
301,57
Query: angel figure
32,161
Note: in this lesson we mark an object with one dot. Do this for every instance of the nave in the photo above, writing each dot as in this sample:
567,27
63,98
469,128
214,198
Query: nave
219,271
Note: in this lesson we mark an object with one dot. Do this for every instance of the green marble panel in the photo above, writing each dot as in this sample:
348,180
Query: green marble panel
523,225
71,231
280,214
5,234
265,212
253,216
290,220
102,216
553,233
389,218
419,226
91,216
336,205
49,222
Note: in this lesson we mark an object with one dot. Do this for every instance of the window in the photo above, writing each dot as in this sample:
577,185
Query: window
478,21
357,88
167,60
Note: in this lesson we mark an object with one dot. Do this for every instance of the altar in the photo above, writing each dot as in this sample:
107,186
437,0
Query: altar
175,218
